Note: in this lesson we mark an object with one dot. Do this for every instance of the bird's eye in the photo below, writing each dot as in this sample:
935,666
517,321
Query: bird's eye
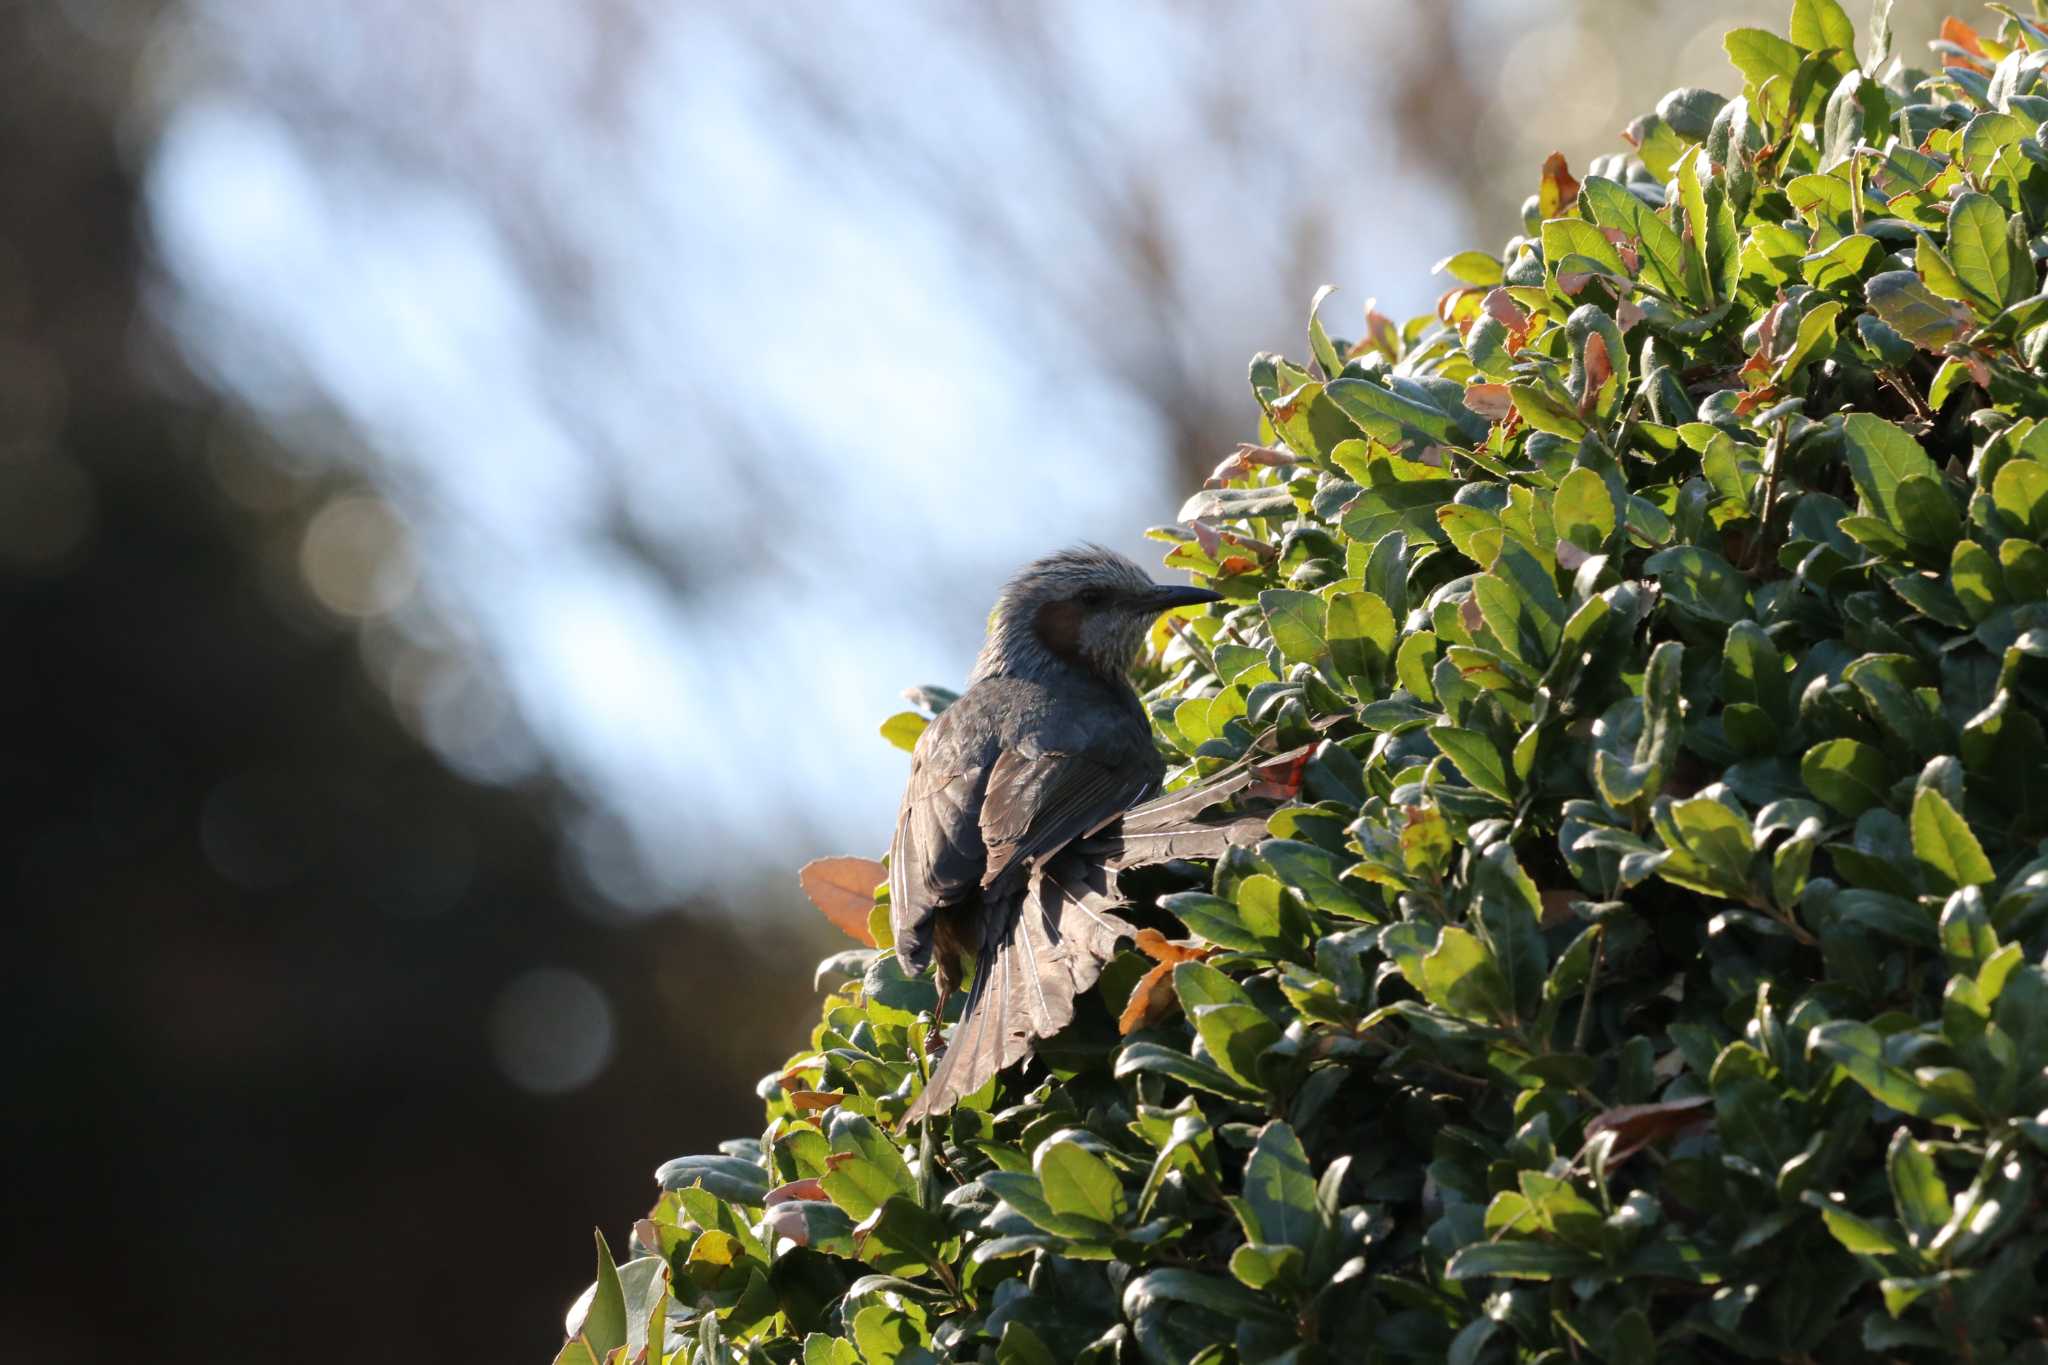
1093,597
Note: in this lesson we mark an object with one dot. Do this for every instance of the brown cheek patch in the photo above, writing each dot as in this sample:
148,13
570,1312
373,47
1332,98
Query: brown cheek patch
1059,629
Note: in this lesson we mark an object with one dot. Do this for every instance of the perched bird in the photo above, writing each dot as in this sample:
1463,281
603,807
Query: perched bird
1048,745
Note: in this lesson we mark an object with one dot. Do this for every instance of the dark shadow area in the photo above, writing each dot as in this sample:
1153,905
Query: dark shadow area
255,930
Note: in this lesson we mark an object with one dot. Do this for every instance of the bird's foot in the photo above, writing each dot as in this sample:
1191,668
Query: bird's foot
934,1041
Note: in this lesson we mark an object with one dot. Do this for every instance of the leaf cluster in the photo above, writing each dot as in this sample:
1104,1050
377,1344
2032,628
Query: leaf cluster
1648,964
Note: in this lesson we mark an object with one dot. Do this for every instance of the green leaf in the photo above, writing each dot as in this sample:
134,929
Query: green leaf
1212,918
1847,774
1944,845
1319,343
869,1170
1264,1267
2020,492
1078,1182
1361,633
820,1349
1459,975
1391,418
1510,914
1881,456
1470,267
1236,1036
1197,983
1148,1292
1297,622
1583,510
1518,1261
1761,55
1862,1236
1818,24
1279,1204
1701,582
1314,873
1564,238
1911,309
1859,1050
1918,1192
1976,244
604,1320
1155,1059
1476,757
888,1336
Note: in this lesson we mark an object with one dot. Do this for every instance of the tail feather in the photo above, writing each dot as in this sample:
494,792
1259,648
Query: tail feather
1045,952
1045,943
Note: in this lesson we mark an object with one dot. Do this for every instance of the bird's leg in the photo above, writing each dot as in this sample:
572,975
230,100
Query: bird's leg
947,977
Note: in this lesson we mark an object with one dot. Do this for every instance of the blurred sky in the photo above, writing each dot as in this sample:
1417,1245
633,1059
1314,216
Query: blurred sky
712,367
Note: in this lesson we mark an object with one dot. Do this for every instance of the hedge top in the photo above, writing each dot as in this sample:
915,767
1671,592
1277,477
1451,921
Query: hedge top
1648,962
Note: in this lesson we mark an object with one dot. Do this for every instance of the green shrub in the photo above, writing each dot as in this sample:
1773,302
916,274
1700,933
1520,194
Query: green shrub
1650,965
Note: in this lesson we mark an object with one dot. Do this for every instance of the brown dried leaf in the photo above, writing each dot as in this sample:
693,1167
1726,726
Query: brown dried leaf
1386,337
795,1189
1504,310
1160,948
1637,1125
1557,903
843,889
1599,369
1152,999
815,1099
1469,615
1490,401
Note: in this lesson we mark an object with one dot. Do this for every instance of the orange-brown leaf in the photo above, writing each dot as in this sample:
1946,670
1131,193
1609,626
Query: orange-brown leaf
843,889
1635,1126
1558,191
1964,37
1599,369
1386,337
1504,310
1160,948
1490,401
815,1099
795,1189
1152,999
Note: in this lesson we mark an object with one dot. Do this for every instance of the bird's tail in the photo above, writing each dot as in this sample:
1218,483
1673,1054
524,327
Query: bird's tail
1045,947
1043,951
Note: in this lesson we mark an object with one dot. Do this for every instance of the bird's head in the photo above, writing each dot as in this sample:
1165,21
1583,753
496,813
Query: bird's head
1086,607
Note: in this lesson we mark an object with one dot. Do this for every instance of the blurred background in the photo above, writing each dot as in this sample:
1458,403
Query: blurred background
472,479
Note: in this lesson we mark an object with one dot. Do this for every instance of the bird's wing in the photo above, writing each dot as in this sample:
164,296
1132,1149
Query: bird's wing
937,856
1039,802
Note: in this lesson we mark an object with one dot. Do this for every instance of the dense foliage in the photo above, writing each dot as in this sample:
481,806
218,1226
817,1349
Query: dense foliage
1649,962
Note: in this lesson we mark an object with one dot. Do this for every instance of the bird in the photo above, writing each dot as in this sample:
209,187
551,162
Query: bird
1046,748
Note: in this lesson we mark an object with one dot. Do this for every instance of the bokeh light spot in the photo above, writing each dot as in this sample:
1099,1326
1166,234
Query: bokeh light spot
357,557
551,1031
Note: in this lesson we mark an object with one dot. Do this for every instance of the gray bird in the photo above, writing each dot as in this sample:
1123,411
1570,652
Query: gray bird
1048,745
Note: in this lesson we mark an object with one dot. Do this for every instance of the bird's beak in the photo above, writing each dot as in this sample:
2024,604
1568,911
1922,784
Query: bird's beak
1168,596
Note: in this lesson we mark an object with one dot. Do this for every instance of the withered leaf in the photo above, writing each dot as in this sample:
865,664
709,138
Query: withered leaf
1490,401
795,1189
1558,191
1635,1126
843,889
